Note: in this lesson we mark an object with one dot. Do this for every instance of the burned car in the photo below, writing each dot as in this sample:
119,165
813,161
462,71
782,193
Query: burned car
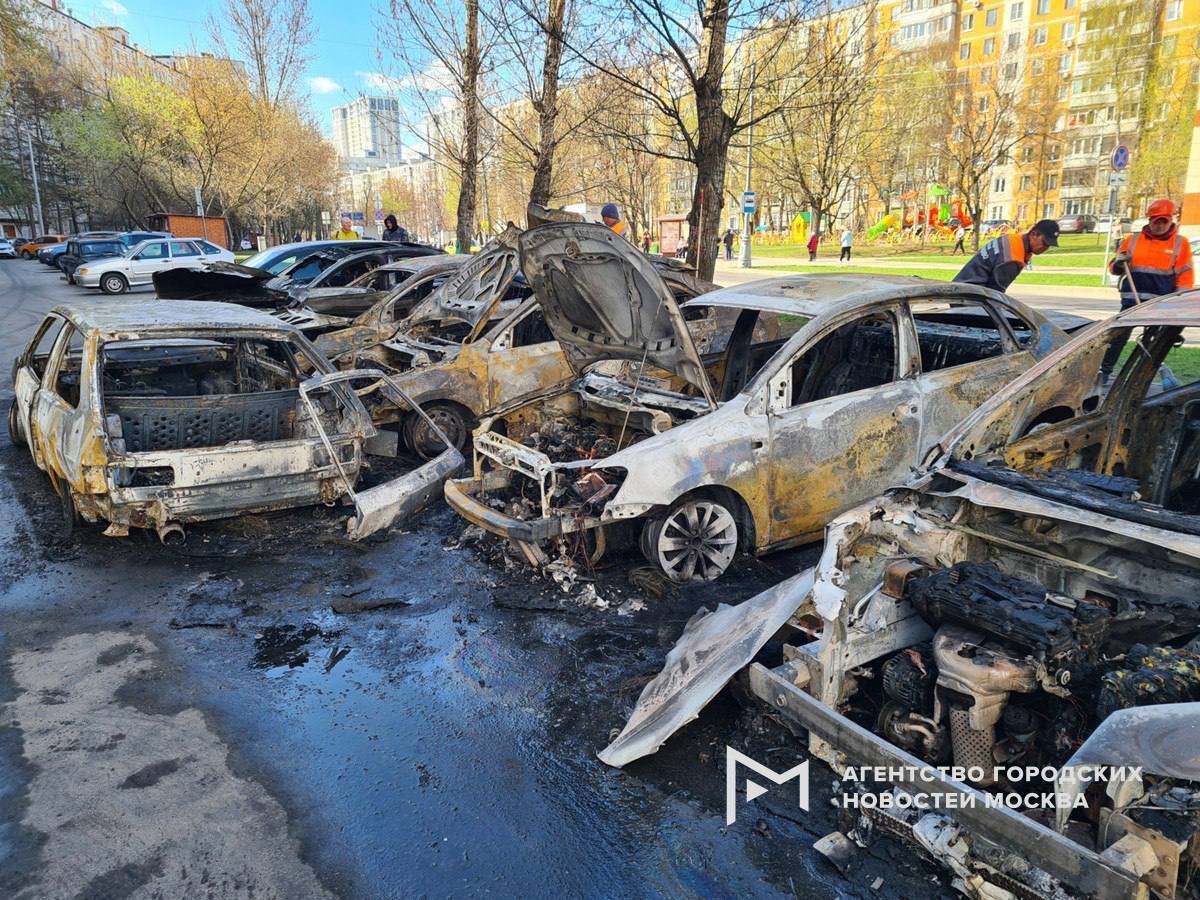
280,276
155,414
758,443
1025,612
457,374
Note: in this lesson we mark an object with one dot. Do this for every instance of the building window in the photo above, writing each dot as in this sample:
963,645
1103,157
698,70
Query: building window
1037,66
1174,10
985,75
1043,7
1027,180
1051,182
1048,211
1016,12
1010,72
983,103
1064,63
998,185
989,46
989,18
964,51
1054,152
1013,42
1068,31
1039,36
968,21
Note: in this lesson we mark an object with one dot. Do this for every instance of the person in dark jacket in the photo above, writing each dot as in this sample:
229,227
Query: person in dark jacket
392,230
1002,259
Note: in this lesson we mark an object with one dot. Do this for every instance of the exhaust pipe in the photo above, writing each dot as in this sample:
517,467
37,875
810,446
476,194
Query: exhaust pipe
171,534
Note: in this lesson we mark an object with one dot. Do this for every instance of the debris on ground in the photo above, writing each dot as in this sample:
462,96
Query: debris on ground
650,580
838,849
349,605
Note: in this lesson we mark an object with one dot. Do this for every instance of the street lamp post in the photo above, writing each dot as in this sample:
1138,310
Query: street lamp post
37,193
744,256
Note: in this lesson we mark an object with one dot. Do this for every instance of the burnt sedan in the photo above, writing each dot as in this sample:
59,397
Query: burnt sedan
756,445
1022,619
156,414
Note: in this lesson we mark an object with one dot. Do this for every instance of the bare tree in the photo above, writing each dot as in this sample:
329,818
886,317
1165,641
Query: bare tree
676,57
442,59
272,37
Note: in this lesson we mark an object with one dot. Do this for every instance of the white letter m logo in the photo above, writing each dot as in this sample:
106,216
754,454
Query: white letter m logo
733,758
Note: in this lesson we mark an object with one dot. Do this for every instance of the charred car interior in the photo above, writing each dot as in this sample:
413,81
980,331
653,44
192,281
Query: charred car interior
1025,608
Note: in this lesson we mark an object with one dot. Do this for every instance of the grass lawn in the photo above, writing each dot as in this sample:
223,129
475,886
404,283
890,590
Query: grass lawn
1053,278
1073,250
1184,362
242,257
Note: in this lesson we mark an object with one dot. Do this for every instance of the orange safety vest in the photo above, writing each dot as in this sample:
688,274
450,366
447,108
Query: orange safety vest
1158,266
619,228
997,264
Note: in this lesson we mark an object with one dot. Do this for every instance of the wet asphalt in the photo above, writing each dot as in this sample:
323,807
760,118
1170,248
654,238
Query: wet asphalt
441,744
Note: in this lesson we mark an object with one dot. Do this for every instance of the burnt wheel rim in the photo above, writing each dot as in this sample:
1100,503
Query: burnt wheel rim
427,443
697,541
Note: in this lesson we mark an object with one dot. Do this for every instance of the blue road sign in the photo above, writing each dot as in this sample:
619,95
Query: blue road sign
1120,158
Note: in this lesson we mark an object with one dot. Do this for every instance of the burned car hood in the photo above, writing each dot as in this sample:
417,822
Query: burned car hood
474,291
603,300
230,282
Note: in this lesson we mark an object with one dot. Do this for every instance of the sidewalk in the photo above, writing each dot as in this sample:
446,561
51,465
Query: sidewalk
950,263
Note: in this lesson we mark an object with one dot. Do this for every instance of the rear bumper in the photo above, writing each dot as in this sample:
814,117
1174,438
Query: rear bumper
461,495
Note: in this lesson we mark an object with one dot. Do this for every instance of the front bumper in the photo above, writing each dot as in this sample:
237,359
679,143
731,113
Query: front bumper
461,495
90,279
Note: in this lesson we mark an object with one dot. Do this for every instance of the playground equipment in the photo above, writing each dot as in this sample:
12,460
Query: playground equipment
942,214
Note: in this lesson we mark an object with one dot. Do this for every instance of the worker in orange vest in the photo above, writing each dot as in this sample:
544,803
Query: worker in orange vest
1003,258
1155,261
611,217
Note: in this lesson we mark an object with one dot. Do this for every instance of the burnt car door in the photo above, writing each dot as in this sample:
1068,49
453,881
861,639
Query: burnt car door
28,372
60,405
523,356
844,418
967,352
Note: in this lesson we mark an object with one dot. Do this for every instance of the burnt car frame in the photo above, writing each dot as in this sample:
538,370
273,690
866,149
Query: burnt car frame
756,446
156,414
1031,599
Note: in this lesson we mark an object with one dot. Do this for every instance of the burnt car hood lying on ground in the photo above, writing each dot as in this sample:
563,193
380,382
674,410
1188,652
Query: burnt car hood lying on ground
604,300
1030,600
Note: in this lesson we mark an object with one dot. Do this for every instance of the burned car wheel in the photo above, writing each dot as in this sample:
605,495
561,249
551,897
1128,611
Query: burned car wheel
114,284
695,541
69,512
14,426
452,420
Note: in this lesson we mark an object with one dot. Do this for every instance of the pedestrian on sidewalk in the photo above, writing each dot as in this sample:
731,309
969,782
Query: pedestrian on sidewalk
392,230
847,240
812,246
727,240
1002,259
645,242
960,235
346,232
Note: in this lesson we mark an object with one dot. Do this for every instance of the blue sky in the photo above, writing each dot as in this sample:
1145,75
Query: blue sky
344,63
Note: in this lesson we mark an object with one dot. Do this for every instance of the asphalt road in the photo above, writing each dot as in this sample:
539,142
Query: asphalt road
198,721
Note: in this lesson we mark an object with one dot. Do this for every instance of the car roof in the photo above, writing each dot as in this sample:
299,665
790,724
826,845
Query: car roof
419,263
111,318
813,295
1182,308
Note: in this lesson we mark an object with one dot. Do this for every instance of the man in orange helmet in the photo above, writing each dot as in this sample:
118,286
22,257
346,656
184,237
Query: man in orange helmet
1155,261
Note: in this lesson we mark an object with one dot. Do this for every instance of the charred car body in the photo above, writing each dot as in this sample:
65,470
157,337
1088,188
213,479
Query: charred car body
477,342
156,414
752,445
1030,600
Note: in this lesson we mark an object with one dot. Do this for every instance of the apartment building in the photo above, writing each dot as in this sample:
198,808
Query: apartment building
366,133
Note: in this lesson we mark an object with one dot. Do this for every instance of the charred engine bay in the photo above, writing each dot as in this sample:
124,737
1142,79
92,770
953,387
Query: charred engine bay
425,720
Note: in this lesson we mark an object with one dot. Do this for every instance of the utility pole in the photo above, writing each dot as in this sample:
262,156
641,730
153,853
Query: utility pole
37,193
747,230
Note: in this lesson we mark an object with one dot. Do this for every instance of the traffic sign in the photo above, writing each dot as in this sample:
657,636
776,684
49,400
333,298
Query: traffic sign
1120,158
379,215
1118,179
749,202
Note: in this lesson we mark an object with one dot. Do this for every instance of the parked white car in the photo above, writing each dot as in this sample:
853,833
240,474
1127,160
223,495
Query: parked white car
7,249
117,274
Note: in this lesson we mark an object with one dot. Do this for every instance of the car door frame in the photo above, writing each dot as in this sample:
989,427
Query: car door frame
26,381
61,457
899,401
136,278
545,361
940,388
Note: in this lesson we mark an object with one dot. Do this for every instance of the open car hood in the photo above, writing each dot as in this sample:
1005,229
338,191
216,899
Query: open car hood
475,289
603,299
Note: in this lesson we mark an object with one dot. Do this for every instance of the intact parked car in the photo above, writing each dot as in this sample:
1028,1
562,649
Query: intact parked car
81,250
1028,606
1079,224
7,250
30,248
156,414
757,446
138,265
129,238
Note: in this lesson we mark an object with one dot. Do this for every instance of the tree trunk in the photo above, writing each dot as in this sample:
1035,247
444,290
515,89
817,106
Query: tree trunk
539,191
465,227
714,131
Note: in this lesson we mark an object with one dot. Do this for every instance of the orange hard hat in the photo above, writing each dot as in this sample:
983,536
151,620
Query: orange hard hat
1161,208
